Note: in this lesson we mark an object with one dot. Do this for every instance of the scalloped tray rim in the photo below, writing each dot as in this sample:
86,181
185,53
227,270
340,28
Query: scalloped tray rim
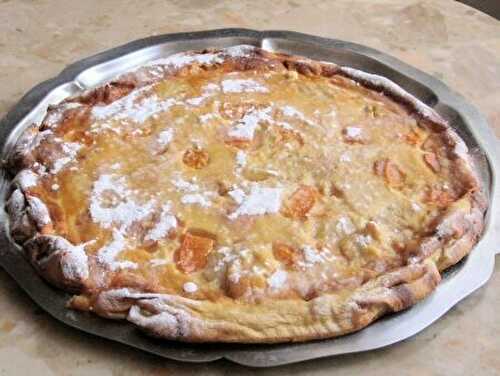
461,281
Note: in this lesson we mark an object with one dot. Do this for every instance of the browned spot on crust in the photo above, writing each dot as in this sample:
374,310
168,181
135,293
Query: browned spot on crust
398,246
80,302
405,297
336,191
372,229
438,196
72,125
329,70
106,94
432,144
341,81
305,68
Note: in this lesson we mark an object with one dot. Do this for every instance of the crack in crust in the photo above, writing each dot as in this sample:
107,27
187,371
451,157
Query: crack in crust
173,317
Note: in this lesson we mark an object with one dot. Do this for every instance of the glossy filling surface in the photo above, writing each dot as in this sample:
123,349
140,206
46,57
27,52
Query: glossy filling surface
244,185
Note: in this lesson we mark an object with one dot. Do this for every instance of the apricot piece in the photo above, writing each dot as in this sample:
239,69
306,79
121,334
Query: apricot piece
285,253
192,255
239,144
196,158
412,138
391,172
300,202
432,161
286,135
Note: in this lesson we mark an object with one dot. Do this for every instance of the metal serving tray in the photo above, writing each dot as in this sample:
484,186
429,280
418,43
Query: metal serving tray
457,283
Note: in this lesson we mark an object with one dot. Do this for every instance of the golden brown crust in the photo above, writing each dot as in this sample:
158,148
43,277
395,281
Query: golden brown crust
163,315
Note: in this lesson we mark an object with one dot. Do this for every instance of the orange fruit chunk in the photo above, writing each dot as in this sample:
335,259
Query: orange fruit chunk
432,161
195,158
193,252
391,172
285,253
301,201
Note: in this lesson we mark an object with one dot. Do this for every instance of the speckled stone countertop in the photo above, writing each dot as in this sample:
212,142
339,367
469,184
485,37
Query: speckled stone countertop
451,41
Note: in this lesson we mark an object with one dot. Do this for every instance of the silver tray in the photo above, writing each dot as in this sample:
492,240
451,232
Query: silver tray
458,282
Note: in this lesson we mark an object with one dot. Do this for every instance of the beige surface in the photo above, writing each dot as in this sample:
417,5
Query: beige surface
444,38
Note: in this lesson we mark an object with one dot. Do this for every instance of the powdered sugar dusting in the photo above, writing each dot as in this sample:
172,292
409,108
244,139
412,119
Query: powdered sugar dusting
165,322
166,223
165,137
184,185
26,179
205,118
38,211
55,116
190,287
290,111
345,157
278,279
158,262
76,265
136,106
234,273
460,148
119,209
245,128
196,198
243,86
107,255
70,150
241,50
227,256
415,207
353,133
312,256
238,195
345,226
363,240
193,194
385,83
241,159
260,201
183,59
207,91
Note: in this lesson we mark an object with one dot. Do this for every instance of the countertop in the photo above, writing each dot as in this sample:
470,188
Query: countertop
449,40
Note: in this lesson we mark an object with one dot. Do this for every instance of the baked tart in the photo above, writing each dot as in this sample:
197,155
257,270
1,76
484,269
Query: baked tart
240,195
